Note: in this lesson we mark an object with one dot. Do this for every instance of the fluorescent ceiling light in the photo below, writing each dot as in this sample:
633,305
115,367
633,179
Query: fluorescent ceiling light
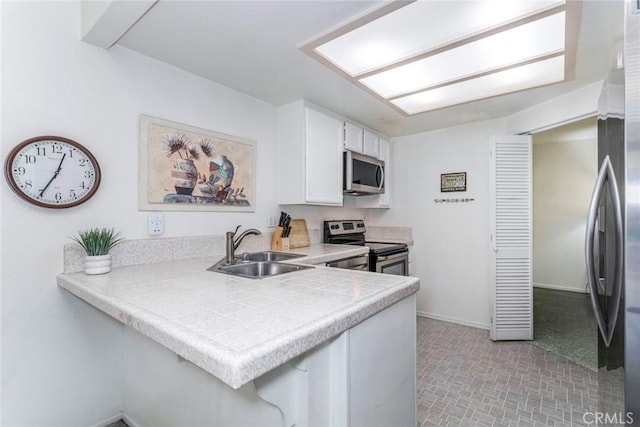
523,43
511,80
421,26
402,49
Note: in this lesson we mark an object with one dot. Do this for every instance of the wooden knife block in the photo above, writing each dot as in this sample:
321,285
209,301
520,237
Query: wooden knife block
279,243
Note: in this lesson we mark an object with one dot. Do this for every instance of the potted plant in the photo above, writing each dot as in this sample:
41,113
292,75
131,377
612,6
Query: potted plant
97,243
185,173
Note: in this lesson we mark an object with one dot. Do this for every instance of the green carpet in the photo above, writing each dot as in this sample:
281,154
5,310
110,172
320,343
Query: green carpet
563,323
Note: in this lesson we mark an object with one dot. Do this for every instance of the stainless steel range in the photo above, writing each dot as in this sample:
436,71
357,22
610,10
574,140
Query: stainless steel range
388,258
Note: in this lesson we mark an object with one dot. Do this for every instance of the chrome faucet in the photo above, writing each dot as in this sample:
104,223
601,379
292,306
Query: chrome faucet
233,243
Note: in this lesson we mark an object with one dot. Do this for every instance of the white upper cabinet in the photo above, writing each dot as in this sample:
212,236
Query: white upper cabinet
353,135
371,144
310,143
380,200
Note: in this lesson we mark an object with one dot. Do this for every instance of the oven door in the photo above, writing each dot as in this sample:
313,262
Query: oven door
397,264
360,262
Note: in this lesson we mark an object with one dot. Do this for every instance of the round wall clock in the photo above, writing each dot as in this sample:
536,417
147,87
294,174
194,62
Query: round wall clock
52,172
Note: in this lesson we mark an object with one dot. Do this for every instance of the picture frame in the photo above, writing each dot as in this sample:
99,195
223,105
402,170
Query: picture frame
187,168
450,182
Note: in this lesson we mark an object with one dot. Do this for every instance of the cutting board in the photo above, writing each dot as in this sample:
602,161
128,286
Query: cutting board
299,236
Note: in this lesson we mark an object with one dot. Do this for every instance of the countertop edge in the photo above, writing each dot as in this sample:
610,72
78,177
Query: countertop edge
215,357
321,331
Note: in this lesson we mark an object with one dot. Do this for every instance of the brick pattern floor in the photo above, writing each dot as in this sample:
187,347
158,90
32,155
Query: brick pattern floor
465,379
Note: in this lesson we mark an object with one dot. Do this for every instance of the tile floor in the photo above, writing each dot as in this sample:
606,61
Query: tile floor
563,323
465,379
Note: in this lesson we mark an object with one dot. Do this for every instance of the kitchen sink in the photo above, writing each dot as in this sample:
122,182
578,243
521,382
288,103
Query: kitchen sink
267,256
257,265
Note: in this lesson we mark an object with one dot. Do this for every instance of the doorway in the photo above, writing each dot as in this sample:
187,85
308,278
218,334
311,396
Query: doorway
565,162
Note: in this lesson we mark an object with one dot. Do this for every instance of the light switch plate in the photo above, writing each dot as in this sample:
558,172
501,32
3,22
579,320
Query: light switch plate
272,221
155,224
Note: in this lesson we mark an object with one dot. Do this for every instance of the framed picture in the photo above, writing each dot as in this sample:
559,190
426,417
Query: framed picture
453,182
185,168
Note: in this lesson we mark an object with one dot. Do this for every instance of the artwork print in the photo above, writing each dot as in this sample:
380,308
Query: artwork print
188,168
453,182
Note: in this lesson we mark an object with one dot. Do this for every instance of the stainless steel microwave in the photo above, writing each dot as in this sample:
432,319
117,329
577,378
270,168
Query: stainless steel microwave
362,174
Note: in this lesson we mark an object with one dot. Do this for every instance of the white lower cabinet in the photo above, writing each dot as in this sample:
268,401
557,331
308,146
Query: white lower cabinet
382,368
364,377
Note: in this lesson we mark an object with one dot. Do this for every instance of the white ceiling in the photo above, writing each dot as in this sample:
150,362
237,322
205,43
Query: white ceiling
252,47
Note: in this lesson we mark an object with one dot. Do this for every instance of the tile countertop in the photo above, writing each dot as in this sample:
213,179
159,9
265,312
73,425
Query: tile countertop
235,328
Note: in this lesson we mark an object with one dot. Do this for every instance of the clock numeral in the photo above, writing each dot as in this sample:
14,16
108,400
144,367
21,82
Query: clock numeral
71,150
83,185
87,174
28,184
30,159
82,162
20,170
58,197
57,149
41,151
72,194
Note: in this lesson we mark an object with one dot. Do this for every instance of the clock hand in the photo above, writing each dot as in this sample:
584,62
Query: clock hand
55,175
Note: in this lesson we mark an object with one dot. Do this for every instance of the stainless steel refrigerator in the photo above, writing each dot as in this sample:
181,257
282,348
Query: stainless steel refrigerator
613,235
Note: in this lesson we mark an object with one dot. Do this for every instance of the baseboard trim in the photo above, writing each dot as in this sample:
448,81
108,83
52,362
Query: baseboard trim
559,288
453,320
110,420
130,421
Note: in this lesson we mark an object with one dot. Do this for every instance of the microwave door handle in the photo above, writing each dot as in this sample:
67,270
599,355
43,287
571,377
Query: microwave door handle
379,166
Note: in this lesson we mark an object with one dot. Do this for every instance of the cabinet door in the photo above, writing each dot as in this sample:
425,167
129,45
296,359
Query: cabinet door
353,137
371,144
323,158
380,200
382,368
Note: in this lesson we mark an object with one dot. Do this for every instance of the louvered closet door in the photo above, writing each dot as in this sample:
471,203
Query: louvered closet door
511,238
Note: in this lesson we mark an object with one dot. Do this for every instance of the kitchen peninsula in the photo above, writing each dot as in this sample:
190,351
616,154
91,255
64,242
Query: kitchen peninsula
300,348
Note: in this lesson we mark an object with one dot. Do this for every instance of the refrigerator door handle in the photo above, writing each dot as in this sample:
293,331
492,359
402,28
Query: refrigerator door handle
605,176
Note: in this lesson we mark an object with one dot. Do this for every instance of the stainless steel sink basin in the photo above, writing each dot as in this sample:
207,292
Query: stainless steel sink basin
258,270
268,256
258,265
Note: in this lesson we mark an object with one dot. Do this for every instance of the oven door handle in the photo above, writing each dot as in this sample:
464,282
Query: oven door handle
362,266
391,257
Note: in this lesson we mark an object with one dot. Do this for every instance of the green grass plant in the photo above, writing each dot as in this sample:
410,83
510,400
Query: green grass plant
98,241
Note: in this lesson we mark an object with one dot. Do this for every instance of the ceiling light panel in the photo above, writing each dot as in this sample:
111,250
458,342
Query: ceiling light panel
420,27
532,40
511,80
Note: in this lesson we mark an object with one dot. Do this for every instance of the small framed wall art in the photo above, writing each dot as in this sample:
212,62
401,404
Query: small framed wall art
185,168
456,181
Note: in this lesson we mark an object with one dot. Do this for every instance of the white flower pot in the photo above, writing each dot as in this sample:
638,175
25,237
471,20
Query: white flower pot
97,264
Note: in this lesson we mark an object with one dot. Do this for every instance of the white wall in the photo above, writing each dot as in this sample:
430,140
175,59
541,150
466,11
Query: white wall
451,251
62,359
570,107
565,163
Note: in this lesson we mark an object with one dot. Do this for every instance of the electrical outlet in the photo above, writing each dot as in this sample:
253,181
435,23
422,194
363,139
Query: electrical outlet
155,224
272,221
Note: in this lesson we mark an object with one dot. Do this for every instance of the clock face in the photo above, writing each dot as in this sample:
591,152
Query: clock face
52,172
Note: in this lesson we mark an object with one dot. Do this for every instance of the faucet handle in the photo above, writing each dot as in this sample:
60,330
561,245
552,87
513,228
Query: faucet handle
237,228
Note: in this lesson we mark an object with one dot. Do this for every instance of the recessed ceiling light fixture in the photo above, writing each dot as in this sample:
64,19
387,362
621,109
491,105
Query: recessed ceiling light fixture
423,55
